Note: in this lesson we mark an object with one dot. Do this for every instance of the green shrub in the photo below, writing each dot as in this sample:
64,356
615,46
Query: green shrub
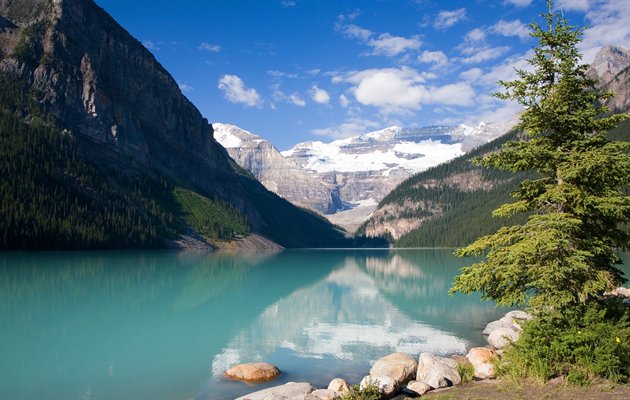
583,343
369,392
466,371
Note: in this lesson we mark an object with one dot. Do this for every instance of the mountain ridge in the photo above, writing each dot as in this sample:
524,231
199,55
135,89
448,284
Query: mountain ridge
451,204
359,170
125,117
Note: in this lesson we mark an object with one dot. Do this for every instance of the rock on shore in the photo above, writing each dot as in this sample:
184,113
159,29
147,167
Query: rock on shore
394,373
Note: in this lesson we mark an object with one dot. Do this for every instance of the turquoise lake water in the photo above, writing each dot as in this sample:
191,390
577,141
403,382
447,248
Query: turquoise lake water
166,325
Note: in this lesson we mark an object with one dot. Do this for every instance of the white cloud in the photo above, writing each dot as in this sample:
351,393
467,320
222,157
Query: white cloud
150,45
390,89
351,127
354,32
288,3
184,87
280,96
485,54
471,74
512,28
297,100
343,100
319,95
476,35
391,46
437,58
455,94
506,70
280,74
608,24
236,92
401,90
500,113
518,3
573,5
446,18
214,48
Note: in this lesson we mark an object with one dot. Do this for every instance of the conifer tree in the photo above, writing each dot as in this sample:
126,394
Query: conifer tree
565,254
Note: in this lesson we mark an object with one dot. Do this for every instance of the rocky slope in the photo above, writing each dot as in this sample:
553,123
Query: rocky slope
450,205
277,173
345,179
127,117
611,67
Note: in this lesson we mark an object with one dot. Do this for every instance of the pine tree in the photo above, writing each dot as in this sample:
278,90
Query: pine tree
565,254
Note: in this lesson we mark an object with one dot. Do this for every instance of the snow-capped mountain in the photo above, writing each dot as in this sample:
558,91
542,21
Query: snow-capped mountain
277,173
356,172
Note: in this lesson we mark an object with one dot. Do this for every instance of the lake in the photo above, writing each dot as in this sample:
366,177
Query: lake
166,325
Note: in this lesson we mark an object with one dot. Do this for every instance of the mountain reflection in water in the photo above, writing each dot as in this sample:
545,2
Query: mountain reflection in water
165,325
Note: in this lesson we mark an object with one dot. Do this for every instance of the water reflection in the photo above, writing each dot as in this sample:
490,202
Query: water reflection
371,304
165,325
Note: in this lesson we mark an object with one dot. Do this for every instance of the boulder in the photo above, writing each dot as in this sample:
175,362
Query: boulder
253,372
417,388
493,326
512,320
289,390
326,394
519,315
385,384
437,372
481,359
502,337
398,366
339,385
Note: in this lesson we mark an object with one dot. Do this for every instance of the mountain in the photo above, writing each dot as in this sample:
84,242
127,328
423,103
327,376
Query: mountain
345,179
611,67
100,149
451,204
277,173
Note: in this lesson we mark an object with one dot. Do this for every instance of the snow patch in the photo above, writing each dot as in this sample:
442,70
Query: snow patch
328,157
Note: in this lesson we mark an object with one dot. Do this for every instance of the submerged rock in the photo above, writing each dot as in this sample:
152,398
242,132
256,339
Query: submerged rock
253,372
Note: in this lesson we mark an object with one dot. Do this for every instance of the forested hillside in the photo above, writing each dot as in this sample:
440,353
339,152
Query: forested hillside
452,202
100,149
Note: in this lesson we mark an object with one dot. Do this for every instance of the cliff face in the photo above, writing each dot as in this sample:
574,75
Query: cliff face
96,80
99,85
277,173
611,67
345,179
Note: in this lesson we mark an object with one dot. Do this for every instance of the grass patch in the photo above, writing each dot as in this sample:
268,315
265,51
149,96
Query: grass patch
466,371
213,219
583,344
369,392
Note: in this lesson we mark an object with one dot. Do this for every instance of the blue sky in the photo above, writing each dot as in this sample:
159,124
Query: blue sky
298,70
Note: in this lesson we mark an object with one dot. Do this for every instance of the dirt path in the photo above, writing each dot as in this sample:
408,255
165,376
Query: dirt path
493,389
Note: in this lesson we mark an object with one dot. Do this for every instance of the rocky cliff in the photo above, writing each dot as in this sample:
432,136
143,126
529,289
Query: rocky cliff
125,113
611,67
345,179
277,173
